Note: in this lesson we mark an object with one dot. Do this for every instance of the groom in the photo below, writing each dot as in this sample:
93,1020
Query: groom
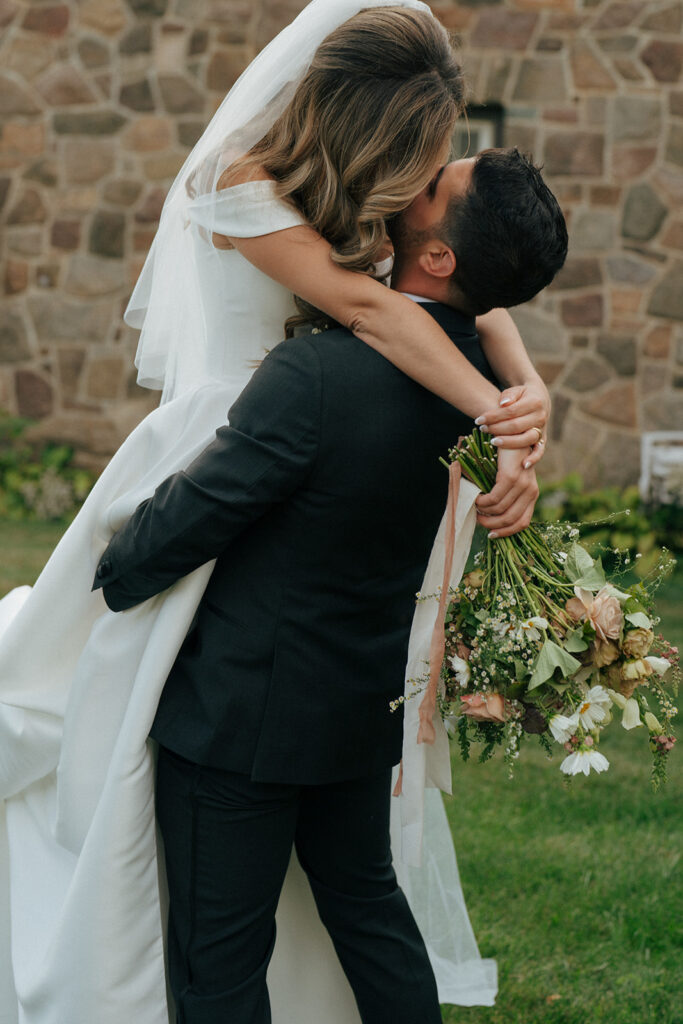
320,501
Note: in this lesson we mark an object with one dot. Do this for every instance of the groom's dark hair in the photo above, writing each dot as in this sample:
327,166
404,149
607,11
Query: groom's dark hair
507,231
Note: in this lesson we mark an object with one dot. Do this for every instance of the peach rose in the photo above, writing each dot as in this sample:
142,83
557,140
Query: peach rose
628,676
474,579
603,612
489,707
636,670
606,616
637,642
576,608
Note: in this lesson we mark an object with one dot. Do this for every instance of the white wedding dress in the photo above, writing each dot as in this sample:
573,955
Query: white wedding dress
81,890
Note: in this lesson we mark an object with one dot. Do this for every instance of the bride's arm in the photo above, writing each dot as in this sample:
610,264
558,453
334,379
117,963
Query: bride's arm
526,394
299,259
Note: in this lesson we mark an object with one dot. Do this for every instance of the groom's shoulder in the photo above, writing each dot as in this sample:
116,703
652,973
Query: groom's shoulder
320,340
329,347
320,352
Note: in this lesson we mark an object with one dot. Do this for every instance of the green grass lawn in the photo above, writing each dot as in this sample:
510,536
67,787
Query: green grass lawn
575,890
24,550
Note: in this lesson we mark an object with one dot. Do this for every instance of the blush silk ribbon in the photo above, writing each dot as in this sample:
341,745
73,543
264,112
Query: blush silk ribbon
426,732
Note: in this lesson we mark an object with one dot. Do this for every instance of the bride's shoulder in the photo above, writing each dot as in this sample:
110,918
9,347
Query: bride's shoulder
241,173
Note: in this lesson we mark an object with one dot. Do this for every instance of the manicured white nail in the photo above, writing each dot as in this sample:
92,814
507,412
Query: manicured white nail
493,536
497,440
478,422
483,429
527,465
506,401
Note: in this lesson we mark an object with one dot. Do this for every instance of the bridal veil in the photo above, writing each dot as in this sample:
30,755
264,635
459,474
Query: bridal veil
178,346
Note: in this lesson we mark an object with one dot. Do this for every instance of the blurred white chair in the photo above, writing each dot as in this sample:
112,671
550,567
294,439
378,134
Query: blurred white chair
661,467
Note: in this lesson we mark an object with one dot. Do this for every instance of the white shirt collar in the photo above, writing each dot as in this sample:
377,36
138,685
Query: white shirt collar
417,298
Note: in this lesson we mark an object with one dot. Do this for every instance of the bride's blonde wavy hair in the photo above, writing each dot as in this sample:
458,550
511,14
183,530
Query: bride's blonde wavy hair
364,130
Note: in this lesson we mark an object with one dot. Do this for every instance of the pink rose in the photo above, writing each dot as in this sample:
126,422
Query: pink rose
489,707
603,612
606,616
576,608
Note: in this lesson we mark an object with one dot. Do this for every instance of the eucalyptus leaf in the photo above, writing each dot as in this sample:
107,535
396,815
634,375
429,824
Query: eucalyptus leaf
550,658
584,571
639,620
592,579
615,592
575,641
578,562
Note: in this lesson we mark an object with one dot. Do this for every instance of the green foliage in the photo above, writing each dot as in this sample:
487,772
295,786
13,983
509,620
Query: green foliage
38,480
614,518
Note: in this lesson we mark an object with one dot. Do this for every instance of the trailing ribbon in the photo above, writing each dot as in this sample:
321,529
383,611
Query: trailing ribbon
426,732
398,788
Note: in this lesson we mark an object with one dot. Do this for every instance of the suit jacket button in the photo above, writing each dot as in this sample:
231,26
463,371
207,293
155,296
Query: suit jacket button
104,568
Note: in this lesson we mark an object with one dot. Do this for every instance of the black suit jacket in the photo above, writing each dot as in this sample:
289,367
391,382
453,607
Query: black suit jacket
320,501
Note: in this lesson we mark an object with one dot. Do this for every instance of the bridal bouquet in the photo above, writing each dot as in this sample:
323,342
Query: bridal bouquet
539,640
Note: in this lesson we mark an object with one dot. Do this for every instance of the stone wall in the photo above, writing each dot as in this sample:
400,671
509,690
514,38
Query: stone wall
101,100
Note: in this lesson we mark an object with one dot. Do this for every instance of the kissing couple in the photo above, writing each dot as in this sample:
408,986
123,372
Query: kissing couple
267,579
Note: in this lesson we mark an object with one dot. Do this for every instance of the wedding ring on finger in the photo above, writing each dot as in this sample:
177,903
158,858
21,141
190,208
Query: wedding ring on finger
541,439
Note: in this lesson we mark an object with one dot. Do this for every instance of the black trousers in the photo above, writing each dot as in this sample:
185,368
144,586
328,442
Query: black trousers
228,842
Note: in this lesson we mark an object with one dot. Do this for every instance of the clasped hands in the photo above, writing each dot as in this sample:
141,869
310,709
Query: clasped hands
514,426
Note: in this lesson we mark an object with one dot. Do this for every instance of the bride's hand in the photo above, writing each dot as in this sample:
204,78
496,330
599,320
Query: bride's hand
508,508
515,423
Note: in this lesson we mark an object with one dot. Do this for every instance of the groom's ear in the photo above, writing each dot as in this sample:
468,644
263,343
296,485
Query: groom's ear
438,260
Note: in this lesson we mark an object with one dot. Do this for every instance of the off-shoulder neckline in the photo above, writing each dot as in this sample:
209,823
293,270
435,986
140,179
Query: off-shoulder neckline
225,193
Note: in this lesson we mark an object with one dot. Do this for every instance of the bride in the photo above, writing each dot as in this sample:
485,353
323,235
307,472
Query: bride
337,125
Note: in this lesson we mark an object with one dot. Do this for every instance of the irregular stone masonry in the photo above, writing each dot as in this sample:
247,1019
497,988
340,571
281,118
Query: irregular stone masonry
100,102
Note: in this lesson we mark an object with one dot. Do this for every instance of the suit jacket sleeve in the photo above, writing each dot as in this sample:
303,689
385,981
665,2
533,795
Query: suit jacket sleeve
259,459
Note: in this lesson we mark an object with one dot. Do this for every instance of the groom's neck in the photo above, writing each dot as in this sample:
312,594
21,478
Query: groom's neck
414,281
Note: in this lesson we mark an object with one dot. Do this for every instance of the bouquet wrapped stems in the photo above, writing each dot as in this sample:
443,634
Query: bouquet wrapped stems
542,592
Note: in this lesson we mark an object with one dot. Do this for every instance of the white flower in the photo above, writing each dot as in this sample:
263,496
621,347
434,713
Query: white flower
562,727
652,723
593,708
583,761
631,711
530,628
660,665
631,716
462,670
